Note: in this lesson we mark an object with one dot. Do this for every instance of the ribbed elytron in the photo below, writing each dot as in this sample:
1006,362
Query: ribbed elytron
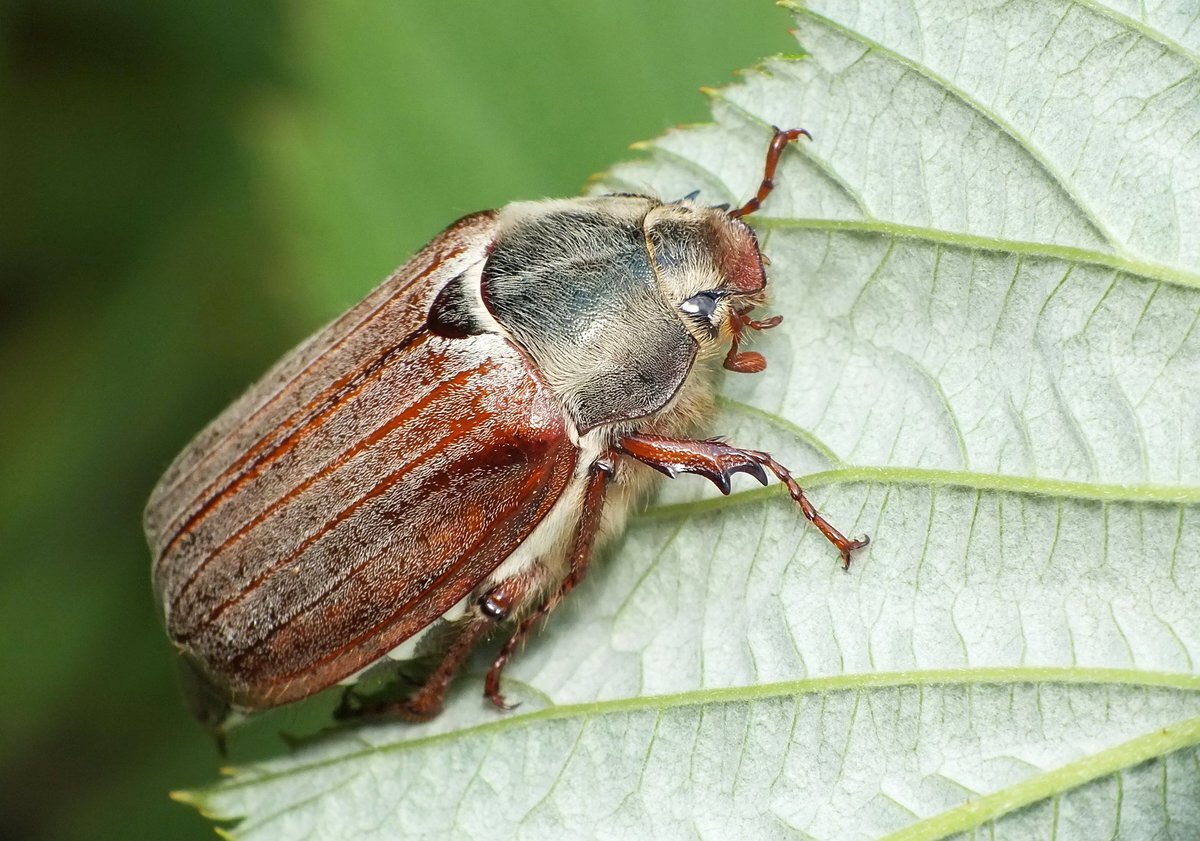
448,453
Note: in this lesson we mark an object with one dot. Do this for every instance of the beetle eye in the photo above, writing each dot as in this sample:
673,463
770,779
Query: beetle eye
702,304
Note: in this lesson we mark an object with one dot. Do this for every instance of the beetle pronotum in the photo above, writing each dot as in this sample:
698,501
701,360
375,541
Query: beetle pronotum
450,450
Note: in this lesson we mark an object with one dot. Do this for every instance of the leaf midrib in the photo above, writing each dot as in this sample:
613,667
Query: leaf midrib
1142,269
966,479
1120,259
1179,681
1135,268
1157,36
1040,787
934,78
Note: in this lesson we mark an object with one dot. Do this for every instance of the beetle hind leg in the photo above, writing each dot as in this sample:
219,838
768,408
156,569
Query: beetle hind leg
426,701
506,599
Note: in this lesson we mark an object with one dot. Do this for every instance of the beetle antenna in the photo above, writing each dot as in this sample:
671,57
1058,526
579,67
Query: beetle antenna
781,139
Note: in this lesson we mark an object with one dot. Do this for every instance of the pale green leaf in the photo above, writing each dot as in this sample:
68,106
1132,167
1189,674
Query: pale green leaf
988,261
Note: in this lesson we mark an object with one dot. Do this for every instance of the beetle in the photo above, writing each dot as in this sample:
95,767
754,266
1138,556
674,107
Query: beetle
448,452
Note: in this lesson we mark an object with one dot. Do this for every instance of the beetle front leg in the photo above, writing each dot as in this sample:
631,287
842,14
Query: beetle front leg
718,461
780,140
748,361
581,553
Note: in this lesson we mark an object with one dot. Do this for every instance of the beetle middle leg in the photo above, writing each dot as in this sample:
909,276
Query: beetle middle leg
581,553
495,606
505,599
718,461
490,610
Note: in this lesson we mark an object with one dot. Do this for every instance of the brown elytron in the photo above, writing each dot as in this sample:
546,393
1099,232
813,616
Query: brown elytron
285,571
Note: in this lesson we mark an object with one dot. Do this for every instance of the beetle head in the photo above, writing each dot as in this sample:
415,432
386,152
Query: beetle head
707,264
707,261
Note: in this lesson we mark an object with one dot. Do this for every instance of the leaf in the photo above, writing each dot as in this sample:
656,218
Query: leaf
988,261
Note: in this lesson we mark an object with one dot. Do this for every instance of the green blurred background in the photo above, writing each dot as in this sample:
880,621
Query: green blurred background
189,189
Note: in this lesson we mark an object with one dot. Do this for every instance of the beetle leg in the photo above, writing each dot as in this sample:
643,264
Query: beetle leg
494,607
718,461
778,142
426,701
585,537
747,362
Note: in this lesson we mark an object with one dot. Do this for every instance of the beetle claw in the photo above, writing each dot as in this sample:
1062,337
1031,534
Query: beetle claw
756,470
851,545
720,478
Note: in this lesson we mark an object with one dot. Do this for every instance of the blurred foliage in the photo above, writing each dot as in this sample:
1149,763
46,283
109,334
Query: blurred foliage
187,190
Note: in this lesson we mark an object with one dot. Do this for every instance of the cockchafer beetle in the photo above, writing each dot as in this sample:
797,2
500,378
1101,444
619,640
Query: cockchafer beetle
450,451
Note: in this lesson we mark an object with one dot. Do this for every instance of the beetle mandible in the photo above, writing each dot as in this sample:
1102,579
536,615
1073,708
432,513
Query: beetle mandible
448,452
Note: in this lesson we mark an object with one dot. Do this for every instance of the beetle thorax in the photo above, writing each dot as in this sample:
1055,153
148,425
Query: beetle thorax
616,297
